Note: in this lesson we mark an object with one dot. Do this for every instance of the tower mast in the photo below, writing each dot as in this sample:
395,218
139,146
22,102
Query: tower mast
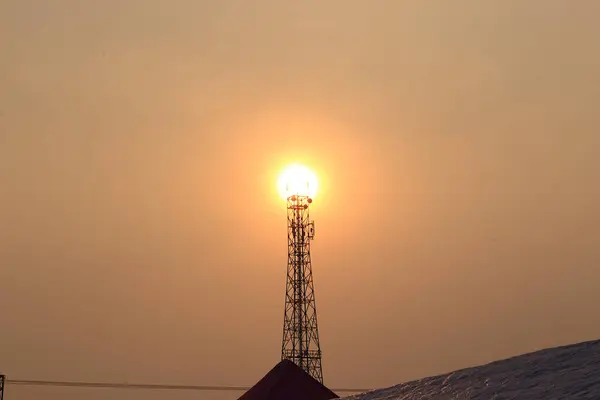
300,331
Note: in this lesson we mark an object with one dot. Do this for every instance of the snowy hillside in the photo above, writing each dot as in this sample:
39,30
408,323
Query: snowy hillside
568,372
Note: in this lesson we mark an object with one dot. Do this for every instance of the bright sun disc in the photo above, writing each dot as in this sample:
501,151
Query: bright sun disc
297,179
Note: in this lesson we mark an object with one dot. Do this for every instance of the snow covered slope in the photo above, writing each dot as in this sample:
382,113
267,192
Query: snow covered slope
568,372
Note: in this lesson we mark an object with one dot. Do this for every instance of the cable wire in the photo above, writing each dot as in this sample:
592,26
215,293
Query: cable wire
145,386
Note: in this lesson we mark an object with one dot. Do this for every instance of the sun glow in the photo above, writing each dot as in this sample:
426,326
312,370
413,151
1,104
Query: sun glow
297,179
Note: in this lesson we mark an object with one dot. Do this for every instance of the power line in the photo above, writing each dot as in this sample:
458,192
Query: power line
145,386
106,385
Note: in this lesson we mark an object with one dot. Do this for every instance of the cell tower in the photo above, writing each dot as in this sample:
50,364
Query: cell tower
300,332
2,379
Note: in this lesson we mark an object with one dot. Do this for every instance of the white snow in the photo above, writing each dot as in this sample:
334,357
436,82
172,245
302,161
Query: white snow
568,372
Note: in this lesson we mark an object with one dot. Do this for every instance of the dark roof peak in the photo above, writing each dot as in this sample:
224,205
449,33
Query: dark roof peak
287,381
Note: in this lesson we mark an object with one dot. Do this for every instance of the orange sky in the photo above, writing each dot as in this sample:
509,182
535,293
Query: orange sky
142,236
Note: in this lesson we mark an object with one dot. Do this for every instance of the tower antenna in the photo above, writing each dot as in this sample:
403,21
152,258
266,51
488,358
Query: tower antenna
300,331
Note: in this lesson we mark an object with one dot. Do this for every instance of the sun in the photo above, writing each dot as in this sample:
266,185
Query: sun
297,179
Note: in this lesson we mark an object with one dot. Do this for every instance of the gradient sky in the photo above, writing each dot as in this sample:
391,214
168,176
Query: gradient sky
142,238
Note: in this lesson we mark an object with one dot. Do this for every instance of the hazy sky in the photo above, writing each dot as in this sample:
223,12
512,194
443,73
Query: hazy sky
142,239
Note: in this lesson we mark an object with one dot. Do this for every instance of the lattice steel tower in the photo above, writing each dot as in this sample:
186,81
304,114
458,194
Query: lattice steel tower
300,332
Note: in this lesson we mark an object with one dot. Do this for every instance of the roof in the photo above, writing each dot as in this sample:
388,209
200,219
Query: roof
566,372
287,381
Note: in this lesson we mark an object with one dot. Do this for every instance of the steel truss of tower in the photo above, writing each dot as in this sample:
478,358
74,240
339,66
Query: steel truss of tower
300,331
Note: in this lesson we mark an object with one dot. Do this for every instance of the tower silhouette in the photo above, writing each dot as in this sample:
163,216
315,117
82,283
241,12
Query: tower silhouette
300,332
